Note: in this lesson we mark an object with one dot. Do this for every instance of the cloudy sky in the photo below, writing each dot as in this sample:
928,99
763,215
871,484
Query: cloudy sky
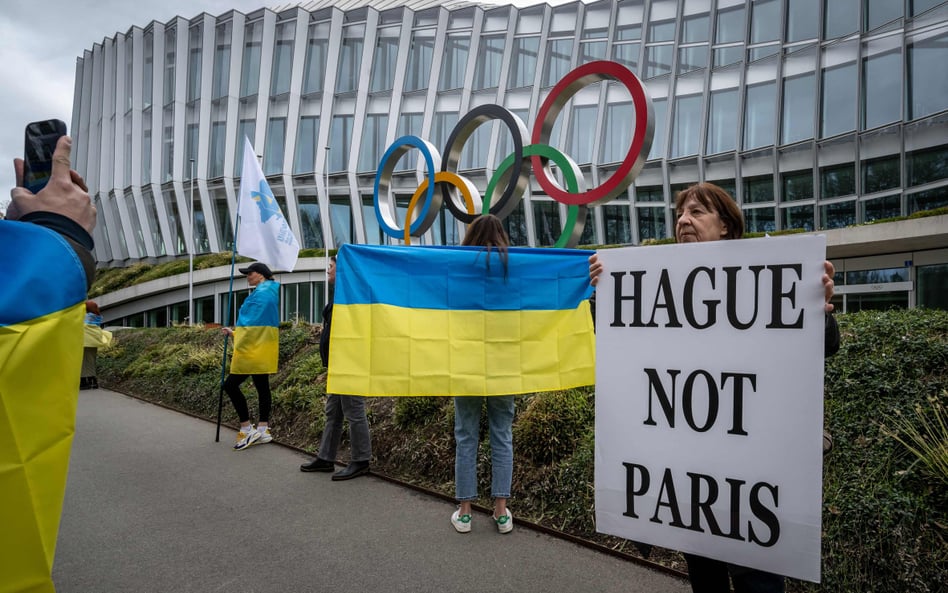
41,39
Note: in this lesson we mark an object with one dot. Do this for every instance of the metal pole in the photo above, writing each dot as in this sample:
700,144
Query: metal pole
191,253
329,227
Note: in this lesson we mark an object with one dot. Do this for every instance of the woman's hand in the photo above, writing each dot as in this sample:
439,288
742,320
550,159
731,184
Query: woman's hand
595,269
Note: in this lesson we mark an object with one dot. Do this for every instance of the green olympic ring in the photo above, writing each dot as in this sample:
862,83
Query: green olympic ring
575,183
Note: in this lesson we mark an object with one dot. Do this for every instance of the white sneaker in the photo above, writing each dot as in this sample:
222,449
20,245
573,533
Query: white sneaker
245,439
265,436
504,522
462,523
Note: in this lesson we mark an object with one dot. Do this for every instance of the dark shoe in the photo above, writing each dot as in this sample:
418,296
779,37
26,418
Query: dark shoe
353,470
95,383
318,465
85,383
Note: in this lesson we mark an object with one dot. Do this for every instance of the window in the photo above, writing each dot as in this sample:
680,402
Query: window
373,232
692,58
170,41
454,66
340,142
687,130
310,221
798,186
651,222
840,18
505,141
583,133
728,55
590,51
340,220
558,57
409,124
546,222
839,98
927,200
799,96
932,286
760,220
490,56
524,64
386,56
881,174
275,147
658,59
216,165
730,27
245,129
882,80
658,140
167,154
765,21
444,122
516,225
723,121
802,21
250,70
661,31
759,115
616,136
317,44
305,158
626,54
836,181
221,77
373,141
194,62
880,12
925,166
474,152
879,208
650,194
798,217
927,94
282,58
222,217
146,148
617,223
759,189
148,68
694,29
350,59
420,58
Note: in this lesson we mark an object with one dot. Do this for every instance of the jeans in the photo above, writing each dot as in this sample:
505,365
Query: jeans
711,576
351,407
467,423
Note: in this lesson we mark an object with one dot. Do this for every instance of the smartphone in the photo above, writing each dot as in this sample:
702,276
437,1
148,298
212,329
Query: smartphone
41,138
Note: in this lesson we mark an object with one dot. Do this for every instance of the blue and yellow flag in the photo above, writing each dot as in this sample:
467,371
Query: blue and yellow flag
413,321
257,332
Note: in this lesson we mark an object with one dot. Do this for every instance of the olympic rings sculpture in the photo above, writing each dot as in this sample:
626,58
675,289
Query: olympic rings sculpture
509,182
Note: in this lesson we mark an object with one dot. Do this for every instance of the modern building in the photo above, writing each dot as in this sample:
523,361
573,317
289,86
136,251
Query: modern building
814,114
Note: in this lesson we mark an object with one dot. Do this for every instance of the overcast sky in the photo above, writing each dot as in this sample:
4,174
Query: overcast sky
41,39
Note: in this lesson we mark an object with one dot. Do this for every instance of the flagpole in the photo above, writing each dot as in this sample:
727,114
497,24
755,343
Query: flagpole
328,226
226,319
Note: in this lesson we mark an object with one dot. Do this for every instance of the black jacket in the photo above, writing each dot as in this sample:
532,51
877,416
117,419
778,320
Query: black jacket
324,336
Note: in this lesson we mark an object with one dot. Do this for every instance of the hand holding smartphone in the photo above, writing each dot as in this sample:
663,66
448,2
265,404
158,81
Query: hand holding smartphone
41,138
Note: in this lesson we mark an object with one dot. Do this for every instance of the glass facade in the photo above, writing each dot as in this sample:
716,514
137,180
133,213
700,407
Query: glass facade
822,113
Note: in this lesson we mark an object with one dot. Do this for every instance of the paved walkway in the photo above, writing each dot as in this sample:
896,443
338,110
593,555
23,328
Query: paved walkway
154,504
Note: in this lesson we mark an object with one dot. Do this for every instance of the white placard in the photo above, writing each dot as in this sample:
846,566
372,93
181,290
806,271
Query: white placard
709,399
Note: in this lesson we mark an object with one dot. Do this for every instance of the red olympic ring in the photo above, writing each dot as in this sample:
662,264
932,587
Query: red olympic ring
634,159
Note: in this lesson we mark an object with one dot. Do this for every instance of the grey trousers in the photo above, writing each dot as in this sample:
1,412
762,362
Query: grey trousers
352,408
88,362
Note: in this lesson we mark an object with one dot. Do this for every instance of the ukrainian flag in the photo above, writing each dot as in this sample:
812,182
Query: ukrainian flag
257,332
42,306
415,321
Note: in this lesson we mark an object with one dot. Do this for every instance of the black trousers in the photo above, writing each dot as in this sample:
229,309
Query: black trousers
261,383
713,576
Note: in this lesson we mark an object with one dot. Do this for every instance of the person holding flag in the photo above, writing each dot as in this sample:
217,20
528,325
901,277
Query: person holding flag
266,236
256,351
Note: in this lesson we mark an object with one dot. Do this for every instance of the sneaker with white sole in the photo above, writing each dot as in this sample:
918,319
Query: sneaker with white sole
265,436
462,523
246,439
504,522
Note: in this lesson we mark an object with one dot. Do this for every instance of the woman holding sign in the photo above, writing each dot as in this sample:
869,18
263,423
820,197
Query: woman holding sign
705,212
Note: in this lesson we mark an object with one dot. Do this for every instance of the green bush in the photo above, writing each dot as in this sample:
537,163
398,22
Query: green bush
550,423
